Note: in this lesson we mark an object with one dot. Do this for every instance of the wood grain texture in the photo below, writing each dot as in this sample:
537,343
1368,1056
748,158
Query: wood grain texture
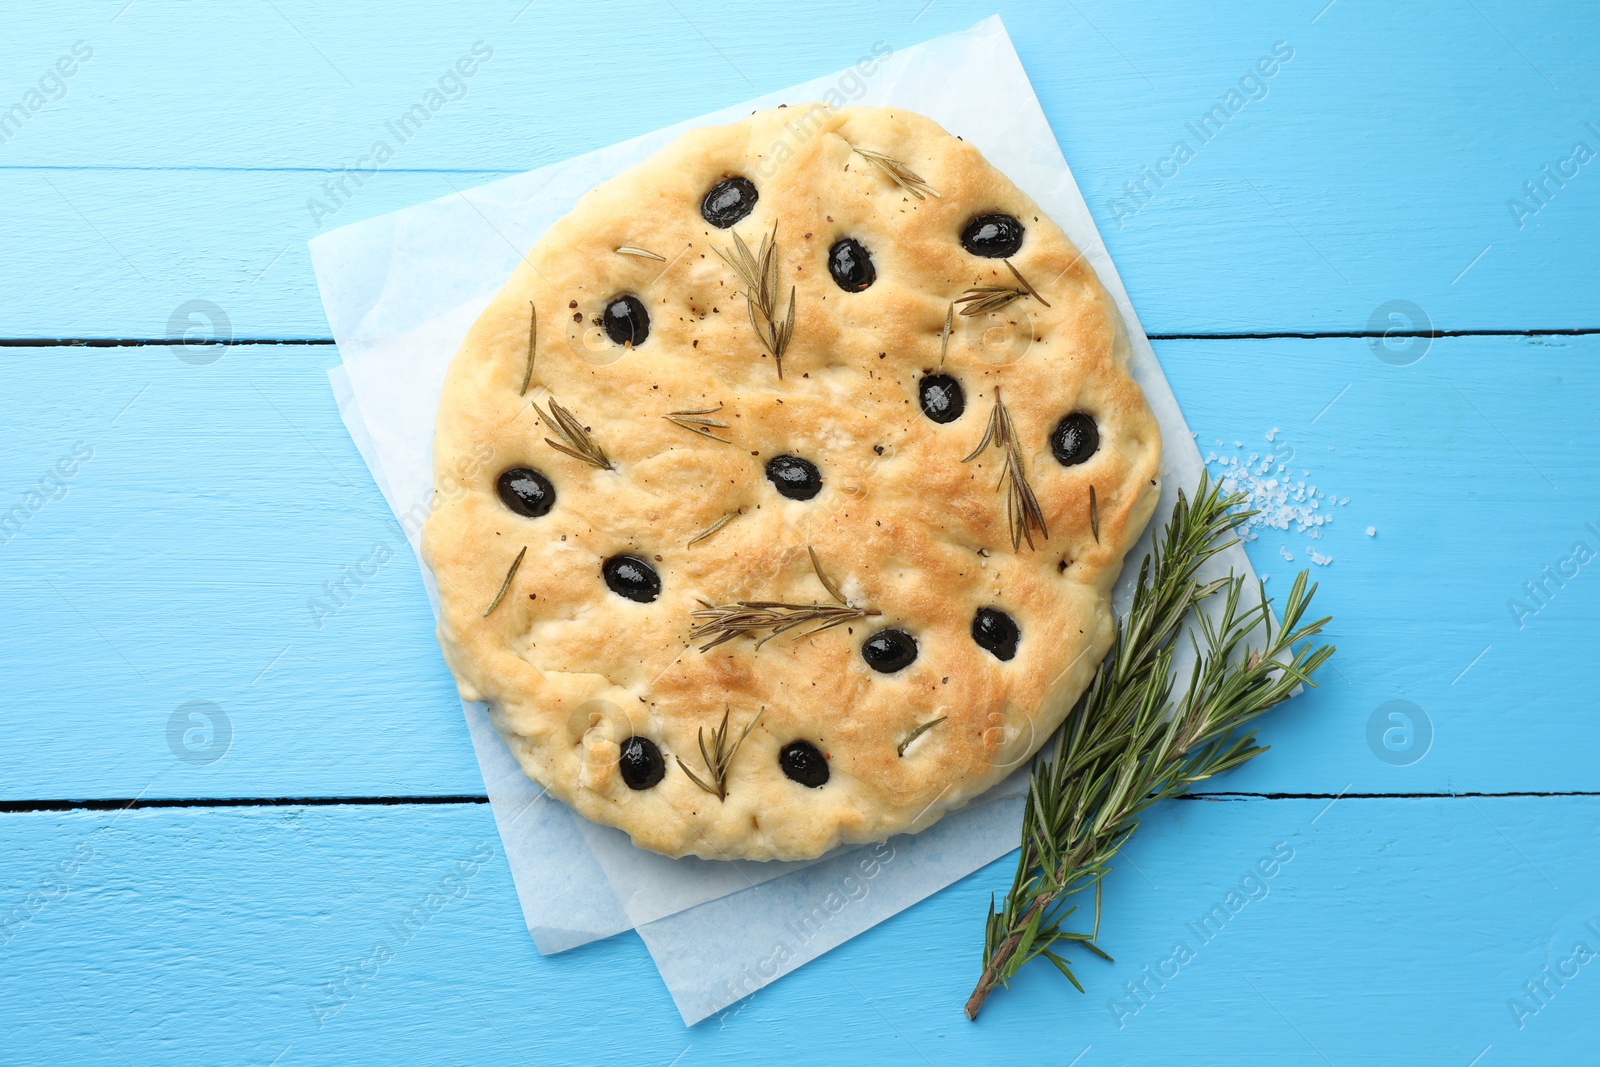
1369,169
231,936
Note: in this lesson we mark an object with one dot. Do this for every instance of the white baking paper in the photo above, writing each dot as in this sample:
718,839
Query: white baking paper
400,292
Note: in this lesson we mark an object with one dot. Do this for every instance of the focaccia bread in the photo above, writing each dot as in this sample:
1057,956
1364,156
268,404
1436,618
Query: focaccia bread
781,490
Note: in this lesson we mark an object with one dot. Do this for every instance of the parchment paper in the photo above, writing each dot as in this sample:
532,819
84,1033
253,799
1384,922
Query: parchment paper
400,292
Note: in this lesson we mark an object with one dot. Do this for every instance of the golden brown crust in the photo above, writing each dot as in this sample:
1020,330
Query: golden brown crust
902,524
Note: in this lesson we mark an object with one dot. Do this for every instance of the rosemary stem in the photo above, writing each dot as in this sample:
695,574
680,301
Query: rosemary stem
1002,955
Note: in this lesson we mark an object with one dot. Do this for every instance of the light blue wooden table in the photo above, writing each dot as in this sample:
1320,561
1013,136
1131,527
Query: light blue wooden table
176,515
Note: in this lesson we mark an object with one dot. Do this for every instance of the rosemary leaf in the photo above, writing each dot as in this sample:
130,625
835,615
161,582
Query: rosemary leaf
1094,515
944,341
827,583
693,777
642,253
1029,289
1134,738
713,528
533,335
918,732
505,586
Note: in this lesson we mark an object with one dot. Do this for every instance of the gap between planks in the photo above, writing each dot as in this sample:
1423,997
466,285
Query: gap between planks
139,342
125,803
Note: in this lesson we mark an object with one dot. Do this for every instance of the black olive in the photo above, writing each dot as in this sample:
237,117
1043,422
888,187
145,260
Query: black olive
795,478
992,236
851,265
1074,439
804,763
728,201
996,632
632,577
641,763
526,492
626,321
942,398
889,650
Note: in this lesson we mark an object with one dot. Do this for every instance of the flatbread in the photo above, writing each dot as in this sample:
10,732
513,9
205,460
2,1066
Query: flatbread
610,702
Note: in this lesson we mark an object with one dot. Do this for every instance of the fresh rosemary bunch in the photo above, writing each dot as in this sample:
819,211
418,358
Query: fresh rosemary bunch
1131,741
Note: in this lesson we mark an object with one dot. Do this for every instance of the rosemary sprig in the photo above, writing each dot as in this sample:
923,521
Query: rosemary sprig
696,422
724,622
533,335
1022,507
759,272
642,253
719,757
918,732
579,445
713,528
505,586
728,621
985,298
1131,740
898,173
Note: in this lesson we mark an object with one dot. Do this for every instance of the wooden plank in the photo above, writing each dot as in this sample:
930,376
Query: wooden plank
182,561
1473,479
391,934
1367,170
188,560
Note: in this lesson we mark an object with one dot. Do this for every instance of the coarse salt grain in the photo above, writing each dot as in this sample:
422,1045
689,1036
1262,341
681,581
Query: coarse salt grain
1280,501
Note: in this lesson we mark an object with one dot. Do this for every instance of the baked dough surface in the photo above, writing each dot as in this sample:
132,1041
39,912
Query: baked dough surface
902,526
